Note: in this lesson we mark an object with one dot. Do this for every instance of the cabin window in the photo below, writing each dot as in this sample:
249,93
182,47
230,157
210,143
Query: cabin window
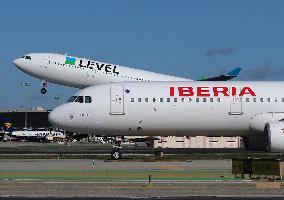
261,100
161,99
182,99
175,99
146,100
154,99
132,100
197,99
282,99
211,99
139,99
268,99
275,99
204,99
218,100
169,99
247,100
189,99
254,99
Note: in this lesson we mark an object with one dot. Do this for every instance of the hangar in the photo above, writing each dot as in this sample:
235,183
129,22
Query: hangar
36,118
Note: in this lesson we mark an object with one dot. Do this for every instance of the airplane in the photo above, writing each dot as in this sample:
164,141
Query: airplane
254,110
37,135
80,72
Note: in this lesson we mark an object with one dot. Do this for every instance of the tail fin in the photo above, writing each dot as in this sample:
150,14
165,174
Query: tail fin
234,72
223,77
7,126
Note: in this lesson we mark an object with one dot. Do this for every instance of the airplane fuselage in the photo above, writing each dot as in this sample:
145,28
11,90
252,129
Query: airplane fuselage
80,72
173,108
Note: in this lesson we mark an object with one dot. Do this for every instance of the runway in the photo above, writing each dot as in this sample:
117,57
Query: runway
162,198
125,179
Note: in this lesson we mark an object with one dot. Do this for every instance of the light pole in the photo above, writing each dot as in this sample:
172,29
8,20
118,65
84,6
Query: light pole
26,85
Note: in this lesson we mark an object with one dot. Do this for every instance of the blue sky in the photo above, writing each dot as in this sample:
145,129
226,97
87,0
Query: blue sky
179,37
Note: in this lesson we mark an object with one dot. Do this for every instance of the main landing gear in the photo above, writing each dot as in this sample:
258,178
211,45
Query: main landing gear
116,153
43,90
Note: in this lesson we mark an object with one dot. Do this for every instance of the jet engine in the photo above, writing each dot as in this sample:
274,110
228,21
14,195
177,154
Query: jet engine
275,136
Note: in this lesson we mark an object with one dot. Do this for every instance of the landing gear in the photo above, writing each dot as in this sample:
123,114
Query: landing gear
43,90
116,153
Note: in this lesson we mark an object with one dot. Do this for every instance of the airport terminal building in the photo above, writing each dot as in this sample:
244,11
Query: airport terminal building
36,118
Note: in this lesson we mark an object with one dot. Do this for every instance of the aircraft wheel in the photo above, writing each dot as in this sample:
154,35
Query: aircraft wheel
116,154
43,90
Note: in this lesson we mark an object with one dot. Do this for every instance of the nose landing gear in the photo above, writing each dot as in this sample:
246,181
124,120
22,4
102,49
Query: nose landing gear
116,153
43,90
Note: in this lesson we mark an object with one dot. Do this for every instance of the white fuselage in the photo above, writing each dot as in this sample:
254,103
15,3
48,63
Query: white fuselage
81,72
36,134
173,108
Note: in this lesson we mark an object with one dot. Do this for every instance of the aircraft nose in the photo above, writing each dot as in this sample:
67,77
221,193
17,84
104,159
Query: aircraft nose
17,62
55,116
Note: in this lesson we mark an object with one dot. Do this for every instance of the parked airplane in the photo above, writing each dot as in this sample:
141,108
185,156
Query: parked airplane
178,109
7,125
81,72
38,135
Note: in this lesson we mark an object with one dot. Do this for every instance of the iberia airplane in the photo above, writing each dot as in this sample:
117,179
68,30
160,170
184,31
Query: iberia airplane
190,108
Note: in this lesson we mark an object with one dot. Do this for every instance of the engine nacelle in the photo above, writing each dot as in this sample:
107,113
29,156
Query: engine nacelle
258,122
275,136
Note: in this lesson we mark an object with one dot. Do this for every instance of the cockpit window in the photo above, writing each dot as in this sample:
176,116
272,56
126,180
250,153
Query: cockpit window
27,57
72,99
88,99
80,99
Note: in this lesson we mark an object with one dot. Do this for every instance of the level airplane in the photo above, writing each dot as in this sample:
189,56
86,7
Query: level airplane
80,72
189,108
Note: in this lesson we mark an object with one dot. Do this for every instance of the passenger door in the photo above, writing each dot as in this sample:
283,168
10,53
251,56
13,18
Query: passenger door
236,105
117,101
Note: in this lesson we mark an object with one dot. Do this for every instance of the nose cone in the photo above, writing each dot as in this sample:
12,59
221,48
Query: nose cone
55,116
61,118
17,62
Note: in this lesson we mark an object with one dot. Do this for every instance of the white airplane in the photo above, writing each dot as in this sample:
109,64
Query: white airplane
37,135
81,72
189,108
